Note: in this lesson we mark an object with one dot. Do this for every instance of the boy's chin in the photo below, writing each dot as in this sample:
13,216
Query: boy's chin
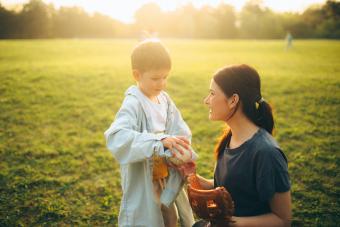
156,93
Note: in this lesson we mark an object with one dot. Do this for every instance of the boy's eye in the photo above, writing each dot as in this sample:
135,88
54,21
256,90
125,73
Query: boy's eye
161,78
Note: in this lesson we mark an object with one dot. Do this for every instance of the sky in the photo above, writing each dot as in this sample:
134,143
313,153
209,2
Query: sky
123,10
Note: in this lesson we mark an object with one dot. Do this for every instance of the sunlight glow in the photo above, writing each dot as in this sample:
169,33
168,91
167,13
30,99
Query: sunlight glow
124,10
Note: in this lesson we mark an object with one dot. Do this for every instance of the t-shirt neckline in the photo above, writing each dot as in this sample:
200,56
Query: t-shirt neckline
243,145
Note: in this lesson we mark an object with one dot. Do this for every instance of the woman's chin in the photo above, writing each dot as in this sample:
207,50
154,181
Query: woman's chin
214,118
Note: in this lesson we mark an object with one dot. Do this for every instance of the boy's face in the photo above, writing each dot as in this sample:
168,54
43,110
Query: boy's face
151,82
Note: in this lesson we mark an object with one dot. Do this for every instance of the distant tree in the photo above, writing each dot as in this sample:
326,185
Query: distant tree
292,22
102,26
250,20
70,22
39,20
330,25
7,23
35,20
312,17
206,23
149,17
183,21
226,19
257,21
317,21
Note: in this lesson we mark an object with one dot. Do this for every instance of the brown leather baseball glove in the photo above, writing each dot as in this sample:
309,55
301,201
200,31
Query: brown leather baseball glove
215,205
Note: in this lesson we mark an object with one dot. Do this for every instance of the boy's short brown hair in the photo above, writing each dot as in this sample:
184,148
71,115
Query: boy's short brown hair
150,54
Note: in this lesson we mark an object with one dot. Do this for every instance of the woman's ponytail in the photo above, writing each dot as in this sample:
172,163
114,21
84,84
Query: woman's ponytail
264,118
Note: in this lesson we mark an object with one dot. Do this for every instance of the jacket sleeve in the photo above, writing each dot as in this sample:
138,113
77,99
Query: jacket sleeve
123,139
179,127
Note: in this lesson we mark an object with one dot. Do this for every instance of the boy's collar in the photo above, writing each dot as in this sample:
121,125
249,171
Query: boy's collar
134,90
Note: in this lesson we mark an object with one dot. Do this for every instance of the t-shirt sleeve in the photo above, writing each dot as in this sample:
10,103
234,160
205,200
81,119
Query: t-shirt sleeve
271,174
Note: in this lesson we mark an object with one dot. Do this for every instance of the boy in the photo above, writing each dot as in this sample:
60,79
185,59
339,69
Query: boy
147,129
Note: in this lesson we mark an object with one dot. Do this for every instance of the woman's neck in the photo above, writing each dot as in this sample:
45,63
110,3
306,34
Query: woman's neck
242,129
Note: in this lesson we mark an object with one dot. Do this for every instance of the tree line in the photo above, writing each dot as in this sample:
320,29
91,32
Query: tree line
37,19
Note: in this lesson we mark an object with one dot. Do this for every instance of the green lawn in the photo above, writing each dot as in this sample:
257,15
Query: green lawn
57,97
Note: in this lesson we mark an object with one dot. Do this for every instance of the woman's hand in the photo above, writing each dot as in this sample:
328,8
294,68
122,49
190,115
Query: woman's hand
187,169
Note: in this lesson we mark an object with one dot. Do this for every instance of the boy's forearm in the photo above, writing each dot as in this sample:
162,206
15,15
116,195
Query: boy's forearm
129,146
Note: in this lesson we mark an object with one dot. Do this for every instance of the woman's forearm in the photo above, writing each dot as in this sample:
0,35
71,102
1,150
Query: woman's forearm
206,183
262,220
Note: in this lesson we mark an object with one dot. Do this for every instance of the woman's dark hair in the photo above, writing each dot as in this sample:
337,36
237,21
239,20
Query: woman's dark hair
244,81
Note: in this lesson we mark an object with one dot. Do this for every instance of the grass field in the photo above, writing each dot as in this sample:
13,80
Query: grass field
57,97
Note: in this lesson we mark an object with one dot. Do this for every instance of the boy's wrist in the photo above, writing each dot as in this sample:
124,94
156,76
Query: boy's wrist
159,148
161,137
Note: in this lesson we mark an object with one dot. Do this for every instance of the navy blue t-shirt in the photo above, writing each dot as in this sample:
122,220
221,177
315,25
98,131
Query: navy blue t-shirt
252,173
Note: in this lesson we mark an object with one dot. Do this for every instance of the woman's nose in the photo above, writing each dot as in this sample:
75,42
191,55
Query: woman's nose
205,100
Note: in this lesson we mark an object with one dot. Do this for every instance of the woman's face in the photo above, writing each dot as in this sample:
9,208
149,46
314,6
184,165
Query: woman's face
218,103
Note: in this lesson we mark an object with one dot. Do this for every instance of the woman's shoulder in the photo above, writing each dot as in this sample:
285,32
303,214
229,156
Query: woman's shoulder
266,139
267,146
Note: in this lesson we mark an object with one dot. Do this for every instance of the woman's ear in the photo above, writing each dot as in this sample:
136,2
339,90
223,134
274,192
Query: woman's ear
234,99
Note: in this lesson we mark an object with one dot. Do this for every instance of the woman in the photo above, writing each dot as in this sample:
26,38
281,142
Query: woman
250,164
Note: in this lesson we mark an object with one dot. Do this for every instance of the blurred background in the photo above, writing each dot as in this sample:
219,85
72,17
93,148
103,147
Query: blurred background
65,65
267,19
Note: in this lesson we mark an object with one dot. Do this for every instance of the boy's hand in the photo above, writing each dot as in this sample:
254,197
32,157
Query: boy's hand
176,142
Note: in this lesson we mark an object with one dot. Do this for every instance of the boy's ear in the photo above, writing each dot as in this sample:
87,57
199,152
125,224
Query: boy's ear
136,74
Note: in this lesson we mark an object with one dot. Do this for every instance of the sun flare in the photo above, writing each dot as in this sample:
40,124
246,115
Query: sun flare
124,10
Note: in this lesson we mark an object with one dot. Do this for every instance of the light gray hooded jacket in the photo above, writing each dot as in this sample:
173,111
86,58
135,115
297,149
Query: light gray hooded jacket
130,142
